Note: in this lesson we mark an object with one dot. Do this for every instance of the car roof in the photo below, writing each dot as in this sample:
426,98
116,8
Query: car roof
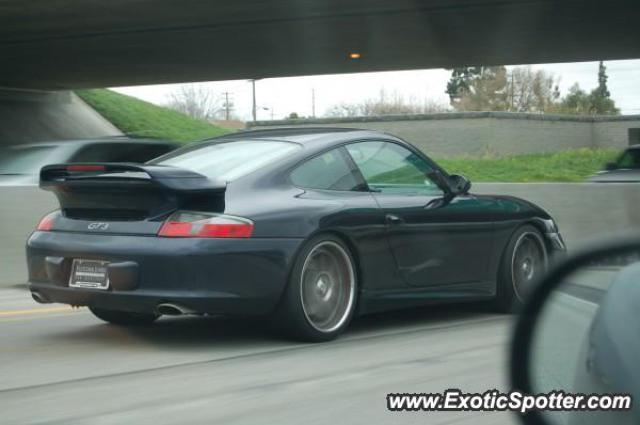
307,136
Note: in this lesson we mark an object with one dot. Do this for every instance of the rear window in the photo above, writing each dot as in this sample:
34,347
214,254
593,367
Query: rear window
24,160
228,160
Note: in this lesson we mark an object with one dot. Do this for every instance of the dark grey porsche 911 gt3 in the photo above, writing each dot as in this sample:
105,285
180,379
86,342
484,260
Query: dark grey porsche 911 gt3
308,226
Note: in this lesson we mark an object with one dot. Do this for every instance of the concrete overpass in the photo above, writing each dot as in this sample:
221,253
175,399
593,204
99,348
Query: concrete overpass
63,44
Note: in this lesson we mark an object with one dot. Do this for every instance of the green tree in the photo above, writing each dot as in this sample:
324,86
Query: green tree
577,101
525,90
601,102
598,102
461,80
487,92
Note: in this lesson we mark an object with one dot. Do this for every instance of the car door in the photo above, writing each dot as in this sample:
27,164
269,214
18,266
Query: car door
335,198
435,240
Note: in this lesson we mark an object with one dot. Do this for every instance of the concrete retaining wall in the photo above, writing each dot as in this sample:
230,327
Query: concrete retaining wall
38,116
584,212
477,133
613,134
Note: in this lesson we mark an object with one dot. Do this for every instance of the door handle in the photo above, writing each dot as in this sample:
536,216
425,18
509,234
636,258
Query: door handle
393,219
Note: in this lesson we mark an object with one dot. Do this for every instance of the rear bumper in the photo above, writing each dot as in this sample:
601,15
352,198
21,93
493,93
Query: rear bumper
213,276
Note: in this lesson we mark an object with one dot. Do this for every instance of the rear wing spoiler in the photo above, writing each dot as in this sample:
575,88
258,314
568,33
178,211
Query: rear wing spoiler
164,177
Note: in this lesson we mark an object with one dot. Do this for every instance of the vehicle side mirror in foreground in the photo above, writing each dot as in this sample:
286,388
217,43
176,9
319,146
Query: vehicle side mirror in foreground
579,333
460,185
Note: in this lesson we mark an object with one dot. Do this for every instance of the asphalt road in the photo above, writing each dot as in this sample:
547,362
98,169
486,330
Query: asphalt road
59,365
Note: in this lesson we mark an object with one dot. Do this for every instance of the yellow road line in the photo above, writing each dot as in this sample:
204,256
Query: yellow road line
12,313
34,317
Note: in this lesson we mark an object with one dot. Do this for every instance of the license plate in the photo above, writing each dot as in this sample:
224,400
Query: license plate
89,274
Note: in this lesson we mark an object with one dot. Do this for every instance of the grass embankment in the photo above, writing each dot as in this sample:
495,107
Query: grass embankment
566,166
143,119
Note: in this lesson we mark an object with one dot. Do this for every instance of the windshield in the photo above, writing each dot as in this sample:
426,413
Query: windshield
228,160
24,160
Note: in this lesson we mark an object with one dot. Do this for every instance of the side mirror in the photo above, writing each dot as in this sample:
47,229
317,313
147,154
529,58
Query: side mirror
460,185
579,334
610,166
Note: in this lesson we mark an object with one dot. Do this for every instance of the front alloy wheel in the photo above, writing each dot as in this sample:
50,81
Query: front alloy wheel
523,261
528,263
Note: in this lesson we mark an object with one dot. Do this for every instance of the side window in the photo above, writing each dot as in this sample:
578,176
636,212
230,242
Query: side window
329,171
388,167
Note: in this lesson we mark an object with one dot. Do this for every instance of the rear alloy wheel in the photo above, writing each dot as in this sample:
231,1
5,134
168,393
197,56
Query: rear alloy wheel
523,263
123,318
320,298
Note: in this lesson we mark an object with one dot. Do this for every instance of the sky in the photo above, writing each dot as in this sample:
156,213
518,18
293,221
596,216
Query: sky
278,97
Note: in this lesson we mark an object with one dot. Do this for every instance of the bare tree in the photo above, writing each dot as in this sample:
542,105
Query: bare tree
520,90
386,104
197,101
344,110
531,91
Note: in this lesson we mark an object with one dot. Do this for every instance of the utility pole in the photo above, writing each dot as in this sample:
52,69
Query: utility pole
227,106
313,102
253,89
513,88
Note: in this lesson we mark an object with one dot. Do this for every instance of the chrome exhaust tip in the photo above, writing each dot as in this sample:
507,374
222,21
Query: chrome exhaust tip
169,309
39,298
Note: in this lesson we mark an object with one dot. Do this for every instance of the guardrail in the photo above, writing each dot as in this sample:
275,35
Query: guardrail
584,212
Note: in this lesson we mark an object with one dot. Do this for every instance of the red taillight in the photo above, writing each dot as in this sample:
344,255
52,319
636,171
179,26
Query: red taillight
175,229
46,223
86,167
184,224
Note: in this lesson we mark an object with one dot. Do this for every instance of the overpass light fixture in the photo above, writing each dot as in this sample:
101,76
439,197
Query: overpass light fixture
355,55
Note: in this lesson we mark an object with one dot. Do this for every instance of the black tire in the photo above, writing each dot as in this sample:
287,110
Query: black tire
518,271
327,286
124,318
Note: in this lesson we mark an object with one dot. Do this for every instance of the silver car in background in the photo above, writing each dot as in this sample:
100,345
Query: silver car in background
20,164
